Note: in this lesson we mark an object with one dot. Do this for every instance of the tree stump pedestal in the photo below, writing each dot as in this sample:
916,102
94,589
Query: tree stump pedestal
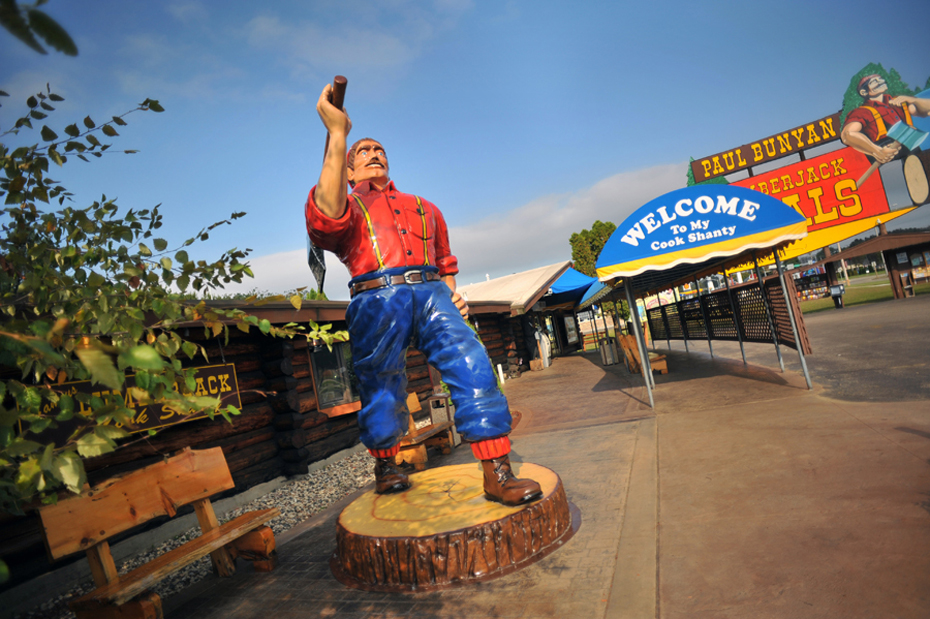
442,532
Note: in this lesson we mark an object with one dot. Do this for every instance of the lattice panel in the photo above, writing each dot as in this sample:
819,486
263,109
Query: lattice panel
674,322
686,320
693,319
720,316
752,314
656,319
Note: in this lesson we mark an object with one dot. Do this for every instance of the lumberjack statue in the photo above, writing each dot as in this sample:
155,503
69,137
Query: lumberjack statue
396,248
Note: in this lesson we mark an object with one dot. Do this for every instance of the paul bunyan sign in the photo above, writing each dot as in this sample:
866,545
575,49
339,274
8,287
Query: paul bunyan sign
694,224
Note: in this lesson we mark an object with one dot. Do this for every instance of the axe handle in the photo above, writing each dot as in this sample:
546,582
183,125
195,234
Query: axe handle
337,97
867,174
875,165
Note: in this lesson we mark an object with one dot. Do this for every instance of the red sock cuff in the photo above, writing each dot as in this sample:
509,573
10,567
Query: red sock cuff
491,448
390,452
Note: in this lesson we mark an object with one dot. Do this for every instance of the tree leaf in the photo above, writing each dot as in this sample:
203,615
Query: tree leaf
51,32
73,130
69,469
13,21
47,134
88,122
95,280
296,301
144,250
160,244
21,447
109,131
110,432
91,445
142,357
100,366
264,325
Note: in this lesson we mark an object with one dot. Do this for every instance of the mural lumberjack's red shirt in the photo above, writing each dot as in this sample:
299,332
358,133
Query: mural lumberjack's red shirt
890,114
382,230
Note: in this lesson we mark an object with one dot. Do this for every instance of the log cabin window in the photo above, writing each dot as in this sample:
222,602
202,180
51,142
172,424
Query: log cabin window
334,380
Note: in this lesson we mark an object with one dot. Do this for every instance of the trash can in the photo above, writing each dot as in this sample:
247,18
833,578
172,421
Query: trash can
837,292
608,350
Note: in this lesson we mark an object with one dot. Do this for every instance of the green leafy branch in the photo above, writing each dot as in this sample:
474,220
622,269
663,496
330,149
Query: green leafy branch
26,21
83,297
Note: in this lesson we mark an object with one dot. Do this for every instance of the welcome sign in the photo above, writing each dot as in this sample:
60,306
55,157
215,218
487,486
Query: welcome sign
694,224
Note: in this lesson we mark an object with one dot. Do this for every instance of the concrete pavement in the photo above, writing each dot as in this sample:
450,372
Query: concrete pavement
742,495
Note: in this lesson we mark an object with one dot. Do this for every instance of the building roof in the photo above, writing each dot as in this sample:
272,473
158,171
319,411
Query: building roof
520,290
884,242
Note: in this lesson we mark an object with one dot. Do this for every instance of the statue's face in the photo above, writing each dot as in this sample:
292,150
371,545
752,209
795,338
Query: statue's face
371,164
876,86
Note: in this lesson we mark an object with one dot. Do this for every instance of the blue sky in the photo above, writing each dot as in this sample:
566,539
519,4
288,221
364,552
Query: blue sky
522,121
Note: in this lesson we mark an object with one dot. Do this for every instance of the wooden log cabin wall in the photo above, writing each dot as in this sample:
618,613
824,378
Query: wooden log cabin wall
281,430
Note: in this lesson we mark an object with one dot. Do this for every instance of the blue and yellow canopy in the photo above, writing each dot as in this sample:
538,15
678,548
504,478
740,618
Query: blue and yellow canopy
686,230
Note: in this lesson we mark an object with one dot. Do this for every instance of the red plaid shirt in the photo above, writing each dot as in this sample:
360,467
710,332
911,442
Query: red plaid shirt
382,230
890,115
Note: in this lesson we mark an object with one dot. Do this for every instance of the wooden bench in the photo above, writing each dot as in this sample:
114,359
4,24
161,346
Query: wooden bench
86,521
632,359
413,446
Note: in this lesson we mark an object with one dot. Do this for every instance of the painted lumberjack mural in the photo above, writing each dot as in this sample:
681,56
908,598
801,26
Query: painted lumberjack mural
396,248
836,190
869,128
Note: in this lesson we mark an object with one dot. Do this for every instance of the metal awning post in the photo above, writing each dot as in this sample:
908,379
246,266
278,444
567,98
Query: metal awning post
736,321
613,298
640,340
704,316
768,312
668,332
597,336
684,332
794,326
604,318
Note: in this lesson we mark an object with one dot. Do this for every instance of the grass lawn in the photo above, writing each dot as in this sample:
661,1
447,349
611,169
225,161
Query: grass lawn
857,294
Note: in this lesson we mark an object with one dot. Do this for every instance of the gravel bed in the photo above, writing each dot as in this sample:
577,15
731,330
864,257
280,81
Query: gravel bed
298,500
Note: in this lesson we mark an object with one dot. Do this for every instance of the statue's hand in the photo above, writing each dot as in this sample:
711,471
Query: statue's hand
460,303
336,121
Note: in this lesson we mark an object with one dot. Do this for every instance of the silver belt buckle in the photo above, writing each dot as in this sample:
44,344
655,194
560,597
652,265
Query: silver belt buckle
409,277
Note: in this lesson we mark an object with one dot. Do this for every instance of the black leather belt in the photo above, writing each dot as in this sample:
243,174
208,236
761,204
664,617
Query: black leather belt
410,277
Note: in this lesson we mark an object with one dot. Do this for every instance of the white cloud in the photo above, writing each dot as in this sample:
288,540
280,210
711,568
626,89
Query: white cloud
537,233
188,12
527,237
314,45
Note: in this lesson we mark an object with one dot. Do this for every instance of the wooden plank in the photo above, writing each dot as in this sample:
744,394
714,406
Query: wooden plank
102,565
424,433
79,522
222,562
146,606
147,575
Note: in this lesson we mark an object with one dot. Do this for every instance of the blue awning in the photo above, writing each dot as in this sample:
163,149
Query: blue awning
569,288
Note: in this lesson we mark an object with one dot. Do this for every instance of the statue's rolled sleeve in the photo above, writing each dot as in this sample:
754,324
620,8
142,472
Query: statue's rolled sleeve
447,263
327,232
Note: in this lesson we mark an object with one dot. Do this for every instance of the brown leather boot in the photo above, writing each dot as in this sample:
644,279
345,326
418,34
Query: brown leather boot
388,477
501,486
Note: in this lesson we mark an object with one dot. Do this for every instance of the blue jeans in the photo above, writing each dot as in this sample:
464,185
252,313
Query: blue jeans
382,324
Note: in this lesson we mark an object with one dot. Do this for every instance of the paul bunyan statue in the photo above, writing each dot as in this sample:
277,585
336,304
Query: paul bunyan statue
396,247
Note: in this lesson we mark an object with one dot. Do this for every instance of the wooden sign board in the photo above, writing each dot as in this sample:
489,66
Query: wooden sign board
217,381
824,190
773,147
